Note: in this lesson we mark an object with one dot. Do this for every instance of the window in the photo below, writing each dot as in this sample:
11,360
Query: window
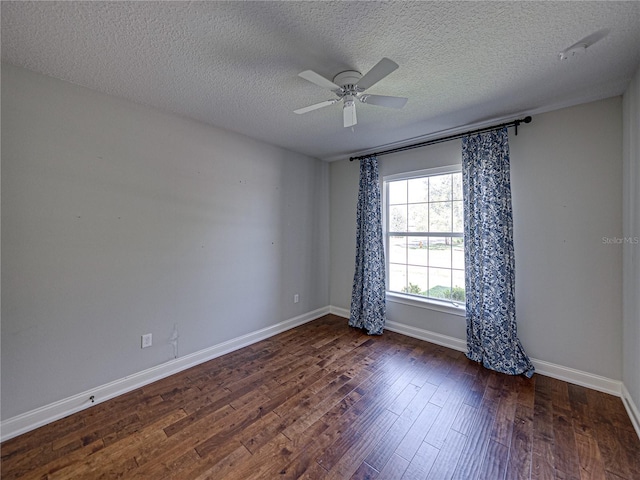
424,234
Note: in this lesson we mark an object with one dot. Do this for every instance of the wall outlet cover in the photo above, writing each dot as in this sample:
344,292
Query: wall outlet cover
147,340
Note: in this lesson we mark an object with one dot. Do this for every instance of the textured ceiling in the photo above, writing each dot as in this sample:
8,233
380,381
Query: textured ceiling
235,64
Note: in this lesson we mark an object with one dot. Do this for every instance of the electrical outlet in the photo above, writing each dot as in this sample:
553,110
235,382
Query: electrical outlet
146,340
296,298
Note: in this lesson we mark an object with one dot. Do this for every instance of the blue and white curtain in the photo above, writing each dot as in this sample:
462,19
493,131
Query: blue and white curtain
489,258
368,307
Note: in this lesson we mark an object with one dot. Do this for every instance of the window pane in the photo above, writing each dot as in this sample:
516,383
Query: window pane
418,217
440,252
398,249
424,265
397,192
457,281
417,278
439,283
398,218
440,217
458,217
418,252
440,188
457,253
457,186
397,277
418,190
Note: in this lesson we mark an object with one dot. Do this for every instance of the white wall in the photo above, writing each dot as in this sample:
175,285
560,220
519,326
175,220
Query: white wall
120,220
343,198
566,184
631,250
566,170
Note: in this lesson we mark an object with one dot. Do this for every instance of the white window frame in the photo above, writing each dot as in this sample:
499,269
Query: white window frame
444,306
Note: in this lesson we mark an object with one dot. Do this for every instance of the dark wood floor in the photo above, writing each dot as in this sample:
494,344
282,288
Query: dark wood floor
326,401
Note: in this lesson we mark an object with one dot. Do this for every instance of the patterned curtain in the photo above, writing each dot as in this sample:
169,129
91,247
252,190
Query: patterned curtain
489,258
368,307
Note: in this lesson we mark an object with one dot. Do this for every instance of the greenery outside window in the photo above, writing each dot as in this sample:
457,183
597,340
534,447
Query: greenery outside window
424,235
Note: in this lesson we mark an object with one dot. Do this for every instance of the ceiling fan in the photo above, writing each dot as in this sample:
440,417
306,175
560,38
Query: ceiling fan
349,86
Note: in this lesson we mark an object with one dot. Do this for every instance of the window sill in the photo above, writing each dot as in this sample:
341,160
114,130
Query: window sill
427,303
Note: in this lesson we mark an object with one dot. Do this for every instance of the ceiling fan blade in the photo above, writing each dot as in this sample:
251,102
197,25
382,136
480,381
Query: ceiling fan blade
349,113
383,100
380,70
315,106
319,80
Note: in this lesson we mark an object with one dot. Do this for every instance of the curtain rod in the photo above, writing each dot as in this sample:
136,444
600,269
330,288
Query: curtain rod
512,123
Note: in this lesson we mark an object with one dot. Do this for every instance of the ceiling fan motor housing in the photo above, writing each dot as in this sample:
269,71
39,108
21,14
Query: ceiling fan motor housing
348,79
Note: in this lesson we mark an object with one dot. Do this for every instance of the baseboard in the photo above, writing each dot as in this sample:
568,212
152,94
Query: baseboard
33,419
578,377
409,331
431,337
632,409
548,369
341,312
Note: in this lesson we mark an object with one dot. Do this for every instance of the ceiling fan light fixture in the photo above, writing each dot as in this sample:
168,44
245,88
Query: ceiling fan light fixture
349,112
